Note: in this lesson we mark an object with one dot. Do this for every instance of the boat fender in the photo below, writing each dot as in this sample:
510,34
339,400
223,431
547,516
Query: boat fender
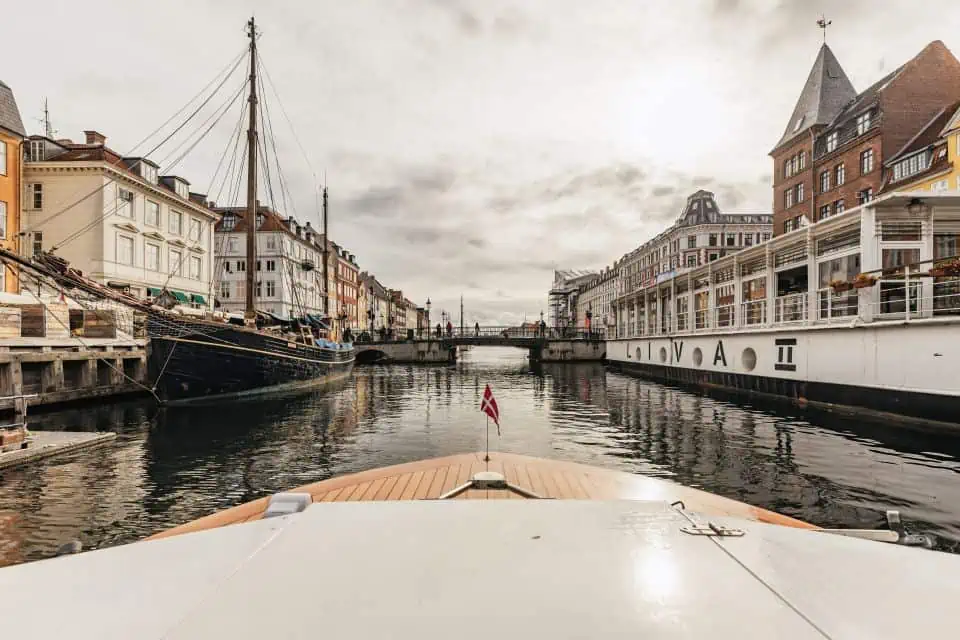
284,504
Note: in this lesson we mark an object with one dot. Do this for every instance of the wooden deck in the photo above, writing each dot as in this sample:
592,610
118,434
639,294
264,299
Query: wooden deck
429,479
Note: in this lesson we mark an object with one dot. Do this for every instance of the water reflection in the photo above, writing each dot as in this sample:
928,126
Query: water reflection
169,466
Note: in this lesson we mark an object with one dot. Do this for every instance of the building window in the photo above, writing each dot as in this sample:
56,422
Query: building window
825,211
151,215
176,258
231,245
229,222
800,192
241,265
3,158
691,242
196,229
226,267
832,139
176,222
37,243
713,239
863,123
824,182
148,172
691,260
196,267
35,192
713,256
838,207
271,265
124,202
748,240
939,185
3,220
181,189
37,151
731,239
257,292
270,242
866,161
788,198
802,162
841,174
258,265
766,237
225,290
865,196
124,249
151,256
271,288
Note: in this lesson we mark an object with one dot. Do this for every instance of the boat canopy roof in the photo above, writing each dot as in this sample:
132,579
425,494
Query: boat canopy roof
481,569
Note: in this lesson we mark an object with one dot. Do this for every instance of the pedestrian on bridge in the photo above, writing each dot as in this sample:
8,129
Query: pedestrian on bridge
476,328
449,329
439,331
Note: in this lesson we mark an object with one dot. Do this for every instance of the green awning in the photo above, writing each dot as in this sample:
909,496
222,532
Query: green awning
196,297
153,292
180,296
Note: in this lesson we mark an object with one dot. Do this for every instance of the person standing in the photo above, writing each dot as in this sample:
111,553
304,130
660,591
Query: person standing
476,329
449,329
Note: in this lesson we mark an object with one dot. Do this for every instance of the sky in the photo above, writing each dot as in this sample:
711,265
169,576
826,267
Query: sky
471,146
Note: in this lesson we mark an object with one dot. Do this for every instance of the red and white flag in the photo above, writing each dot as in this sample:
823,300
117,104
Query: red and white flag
489,406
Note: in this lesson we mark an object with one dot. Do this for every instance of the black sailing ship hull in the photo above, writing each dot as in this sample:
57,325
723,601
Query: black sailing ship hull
196,362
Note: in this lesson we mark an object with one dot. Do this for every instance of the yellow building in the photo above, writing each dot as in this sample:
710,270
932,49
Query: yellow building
12,134
930,161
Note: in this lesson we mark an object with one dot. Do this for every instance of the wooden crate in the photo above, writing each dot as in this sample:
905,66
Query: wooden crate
9,322
33,321
57,320
99,323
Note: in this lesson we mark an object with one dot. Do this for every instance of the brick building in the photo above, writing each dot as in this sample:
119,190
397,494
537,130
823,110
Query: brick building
831,156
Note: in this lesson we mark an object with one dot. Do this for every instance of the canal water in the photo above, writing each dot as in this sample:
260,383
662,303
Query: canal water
169,466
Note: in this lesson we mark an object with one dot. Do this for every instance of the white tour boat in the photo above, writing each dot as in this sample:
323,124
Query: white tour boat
858,312
460,547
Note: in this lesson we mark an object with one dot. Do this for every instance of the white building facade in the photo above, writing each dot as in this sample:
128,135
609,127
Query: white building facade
289,264
117,220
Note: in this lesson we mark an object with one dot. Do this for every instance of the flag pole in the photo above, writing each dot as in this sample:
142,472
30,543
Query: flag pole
486,458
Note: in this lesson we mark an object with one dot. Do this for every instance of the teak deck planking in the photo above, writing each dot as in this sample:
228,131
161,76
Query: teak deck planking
429,479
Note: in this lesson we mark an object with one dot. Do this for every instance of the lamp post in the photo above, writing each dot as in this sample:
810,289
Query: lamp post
427,319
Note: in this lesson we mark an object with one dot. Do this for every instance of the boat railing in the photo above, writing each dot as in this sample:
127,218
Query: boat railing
834,305
791,308
724,316
754,313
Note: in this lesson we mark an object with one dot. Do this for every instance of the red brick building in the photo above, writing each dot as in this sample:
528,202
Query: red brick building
831,156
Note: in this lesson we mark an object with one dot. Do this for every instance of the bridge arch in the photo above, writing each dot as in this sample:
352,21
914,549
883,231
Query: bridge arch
371,356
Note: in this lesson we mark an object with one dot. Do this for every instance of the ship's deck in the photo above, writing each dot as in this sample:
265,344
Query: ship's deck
430,479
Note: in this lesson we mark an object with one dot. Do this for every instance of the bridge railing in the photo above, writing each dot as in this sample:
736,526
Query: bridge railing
503,333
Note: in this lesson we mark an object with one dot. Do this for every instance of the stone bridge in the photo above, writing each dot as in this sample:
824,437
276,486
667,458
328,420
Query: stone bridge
551,345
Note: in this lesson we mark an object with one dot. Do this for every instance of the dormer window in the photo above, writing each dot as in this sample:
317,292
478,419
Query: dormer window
832,140
259,220
148,172
229,222
182,189
37,151
796,125
863,123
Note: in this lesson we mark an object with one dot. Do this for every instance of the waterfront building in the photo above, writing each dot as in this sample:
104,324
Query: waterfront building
288,283
562,298
12,134
363,306
348,282
117,220
397,319
701,235
929,161
411,315
832,154
378,302
595,299
855,309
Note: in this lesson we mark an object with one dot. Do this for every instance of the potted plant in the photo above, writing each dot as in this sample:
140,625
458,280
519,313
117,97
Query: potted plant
949,267
840,286
864,281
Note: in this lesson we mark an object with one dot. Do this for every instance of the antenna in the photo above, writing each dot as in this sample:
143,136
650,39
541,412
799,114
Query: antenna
823,23
48,129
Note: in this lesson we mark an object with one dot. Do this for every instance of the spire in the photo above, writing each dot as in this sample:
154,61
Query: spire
826,92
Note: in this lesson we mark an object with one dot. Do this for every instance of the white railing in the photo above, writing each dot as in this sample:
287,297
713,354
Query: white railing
724,316
790,308
754,313
946,296
832,304
701,319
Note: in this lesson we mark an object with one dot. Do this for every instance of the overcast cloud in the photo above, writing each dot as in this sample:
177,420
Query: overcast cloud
474,146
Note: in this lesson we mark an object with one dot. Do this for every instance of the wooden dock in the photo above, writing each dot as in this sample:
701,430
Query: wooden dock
430,479
45,444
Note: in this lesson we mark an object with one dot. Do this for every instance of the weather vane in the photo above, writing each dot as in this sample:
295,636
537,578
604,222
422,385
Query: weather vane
823,23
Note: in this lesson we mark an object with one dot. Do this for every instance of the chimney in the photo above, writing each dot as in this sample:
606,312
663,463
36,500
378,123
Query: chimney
95,137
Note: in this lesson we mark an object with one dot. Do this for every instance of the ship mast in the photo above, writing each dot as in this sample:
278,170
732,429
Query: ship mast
326,243
250,316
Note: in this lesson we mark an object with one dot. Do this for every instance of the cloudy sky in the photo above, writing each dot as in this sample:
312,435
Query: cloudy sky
472,146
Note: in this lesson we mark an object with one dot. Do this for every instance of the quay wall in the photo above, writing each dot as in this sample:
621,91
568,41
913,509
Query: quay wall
60,370
423,351
904,369
570,351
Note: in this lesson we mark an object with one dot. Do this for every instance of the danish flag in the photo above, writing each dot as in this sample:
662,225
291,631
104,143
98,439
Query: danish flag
489,407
